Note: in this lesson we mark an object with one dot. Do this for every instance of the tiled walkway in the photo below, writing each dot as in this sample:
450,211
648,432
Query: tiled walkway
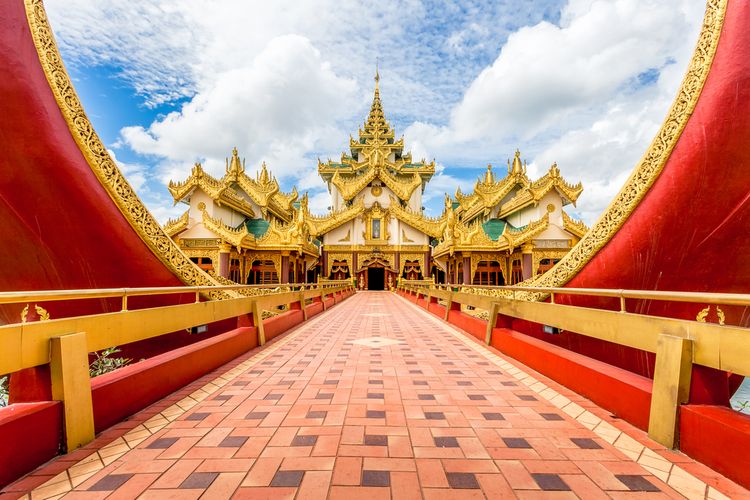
375,399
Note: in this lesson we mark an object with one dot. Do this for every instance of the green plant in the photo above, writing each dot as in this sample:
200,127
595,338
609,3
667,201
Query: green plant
4,381
104,363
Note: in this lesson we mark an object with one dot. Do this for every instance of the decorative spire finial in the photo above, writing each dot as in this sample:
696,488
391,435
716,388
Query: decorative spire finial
377,73
234,165
517,167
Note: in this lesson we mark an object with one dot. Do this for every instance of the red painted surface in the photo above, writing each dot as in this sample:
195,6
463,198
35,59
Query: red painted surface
328,302
30,434
470,324
437,309
278,324
624,357
66,231
118,394
313,309
719,437
624,393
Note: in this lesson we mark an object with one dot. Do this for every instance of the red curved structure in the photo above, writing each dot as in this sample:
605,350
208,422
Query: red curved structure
61,229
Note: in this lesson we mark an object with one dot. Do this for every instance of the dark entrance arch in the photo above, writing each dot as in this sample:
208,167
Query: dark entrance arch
375,278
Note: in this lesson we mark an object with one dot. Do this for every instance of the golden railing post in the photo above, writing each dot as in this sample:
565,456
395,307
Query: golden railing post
302,304
258,322
71,384
491,322
674,363
448,305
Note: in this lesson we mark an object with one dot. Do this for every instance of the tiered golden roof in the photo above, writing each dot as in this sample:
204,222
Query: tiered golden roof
263,190
488,192
376,155
469,237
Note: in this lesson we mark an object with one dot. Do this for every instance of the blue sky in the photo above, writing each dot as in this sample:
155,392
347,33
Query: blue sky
584,83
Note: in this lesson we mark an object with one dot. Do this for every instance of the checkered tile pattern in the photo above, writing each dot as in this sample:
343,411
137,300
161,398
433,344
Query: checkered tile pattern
372,399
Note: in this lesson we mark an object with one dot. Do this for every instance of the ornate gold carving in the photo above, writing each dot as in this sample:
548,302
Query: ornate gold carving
350,187
468,237
322,224
376,155
652,162
201,206
419,257
377,191
41,312
535,191
430,226
550,207
263,190
373,248
703,313
99,160
339,257
376,212
176,226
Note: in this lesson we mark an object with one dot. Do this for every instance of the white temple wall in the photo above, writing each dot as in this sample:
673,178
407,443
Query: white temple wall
413,235
197,231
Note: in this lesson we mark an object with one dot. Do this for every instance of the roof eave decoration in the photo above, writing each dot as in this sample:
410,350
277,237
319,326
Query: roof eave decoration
431,226
576,227
176,226
263,190
319,225
532,194
471,237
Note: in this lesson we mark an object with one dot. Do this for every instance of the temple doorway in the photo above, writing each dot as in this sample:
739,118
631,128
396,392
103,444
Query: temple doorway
376,278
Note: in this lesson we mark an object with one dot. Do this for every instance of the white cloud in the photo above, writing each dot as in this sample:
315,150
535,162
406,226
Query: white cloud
270,108
469,82
574,94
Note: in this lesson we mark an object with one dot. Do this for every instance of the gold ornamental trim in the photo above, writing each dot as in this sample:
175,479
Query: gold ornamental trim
419,257
99,160
176,226
652,163
347,257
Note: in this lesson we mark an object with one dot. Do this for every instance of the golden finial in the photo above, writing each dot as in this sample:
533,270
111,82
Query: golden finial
263,176
235,166
517,167
489,178
377,73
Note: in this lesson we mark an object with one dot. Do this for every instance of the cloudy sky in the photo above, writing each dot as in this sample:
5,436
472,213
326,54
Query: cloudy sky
585,83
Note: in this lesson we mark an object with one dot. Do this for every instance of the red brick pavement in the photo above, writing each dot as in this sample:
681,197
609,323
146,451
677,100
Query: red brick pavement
373,399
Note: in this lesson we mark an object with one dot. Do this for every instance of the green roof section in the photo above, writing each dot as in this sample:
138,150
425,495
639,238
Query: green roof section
494,228
257,227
